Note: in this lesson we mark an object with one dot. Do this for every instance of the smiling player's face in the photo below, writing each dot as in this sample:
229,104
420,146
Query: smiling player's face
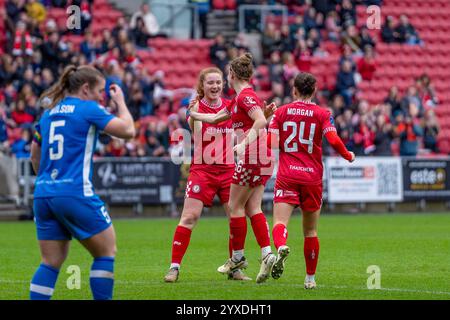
212,85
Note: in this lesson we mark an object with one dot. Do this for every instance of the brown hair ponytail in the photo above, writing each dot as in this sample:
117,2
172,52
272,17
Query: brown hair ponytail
71,81
242,66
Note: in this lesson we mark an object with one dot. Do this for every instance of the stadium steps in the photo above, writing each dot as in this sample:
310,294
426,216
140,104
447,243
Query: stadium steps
223,21
10,211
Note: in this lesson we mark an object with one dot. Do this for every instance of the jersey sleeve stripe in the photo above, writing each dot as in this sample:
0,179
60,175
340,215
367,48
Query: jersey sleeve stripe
273,130
252,109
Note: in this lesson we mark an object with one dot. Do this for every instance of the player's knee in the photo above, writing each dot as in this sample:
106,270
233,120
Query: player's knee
55,262
189,219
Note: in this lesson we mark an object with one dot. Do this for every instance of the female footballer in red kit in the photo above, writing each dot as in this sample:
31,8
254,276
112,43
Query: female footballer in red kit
210,173
297,130
252,170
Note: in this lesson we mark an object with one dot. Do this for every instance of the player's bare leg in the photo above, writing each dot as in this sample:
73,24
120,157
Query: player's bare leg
261,230
192,210
239,196
54,252
102,244
281,214
237,274
311,247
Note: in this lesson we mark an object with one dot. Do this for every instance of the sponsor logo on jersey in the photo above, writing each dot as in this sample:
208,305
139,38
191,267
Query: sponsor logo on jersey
177,243
238,125
279,193
54,174
255,178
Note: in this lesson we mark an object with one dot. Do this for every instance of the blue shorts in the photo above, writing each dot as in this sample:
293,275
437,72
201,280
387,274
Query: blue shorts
60,218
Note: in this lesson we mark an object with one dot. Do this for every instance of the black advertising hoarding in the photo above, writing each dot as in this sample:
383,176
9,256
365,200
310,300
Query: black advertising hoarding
135,180
426,179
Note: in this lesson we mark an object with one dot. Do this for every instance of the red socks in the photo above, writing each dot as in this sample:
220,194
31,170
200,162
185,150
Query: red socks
311,251
180,243
238,232
280,235
261,229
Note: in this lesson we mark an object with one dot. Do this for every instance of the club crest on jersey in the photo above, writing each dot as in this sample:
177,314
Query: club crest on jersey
196,188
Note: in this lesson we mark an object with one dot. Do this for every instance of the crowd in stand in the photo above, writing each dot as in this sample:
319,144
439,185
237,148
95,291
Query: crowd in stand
36,54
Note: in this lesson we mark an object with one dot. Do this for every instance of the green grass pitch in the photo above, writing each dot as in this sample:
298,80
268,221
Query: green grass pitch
411,250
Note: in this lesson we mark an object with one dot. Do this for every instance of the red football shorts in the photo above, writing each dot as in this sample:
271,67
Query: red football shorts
308,197
252,175
204,185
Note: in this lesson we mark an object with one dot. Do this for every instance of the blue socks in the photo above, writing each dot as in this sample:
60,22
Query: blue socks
102,278
43,282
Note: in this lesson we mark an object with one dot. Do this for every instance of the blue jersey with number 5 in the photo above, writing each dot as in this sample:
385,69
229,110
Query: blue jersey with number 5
67,134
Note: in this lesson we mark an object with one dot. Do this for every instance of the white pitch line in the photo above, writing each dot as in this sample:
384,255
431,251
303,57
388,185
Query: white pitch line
158,283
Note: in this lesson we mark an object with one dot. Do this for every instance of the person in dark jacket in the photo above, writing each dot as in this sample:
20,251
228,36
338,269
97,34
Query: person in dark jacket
383,137
345,84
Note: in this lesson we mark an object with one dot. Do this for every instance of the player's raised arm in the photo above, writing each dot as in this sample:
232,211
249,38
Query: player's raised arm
259,123
121,126
212,118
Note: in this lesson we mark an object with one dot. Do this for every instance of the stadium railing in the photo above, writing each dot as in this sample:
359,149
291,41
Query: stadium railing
264,11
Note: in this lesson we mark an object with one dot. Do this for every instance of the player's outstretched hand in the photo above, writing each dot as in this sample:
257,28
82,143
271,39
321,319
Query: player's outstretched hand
116,93
192,103
353,156
239,149
270,109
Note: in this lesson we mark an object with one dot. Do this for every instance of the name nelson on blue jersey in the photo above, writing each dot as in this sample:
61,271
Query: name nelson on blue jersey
64,108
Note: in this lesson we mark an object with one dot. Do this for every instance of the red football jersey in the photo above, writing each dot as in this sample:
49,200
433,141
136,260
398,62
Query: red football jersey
240,109
215,146
300,126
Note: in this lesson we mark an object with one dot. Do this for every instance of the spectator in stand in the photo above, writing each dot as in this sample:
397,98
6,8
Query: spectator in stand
412,98
332,26
218,52
275,67
290,70
313,41
388,32
294,27
88,47
36,11
338,105
271,40
203,7
406,32
431,131
23,45
394,100
351,38
21,116
151,23
309,19
345,83
303,56
4,144
409,131
347,13
286,42
22,146
240,42
366,39
367,65
383,137
428,93
140,34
